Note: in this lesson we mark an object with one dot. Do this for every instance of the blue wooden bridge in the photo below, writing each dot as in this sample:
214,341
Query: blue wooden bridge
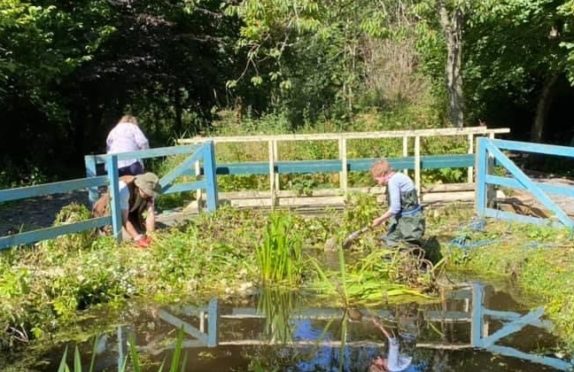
199,161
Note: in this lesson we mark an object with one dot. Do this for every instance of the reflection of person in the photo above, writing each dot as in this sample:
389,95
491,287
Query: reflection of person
127,136
136,198
407,222
394,362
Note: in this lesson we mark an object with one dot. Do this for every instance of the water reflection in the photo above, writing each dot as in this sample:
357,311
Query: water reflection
470,329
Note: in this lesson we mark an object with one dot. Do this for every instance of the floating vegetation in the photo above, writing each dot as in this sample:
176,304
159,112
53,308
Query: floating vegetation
382,275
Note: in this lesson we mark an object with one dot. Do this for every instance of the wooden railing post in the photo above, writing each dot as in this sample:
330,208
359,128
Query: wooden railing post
210,176
418,166
199,192
114,192
344,174
91,171
275,160
271,145
481,171
470,170
405,151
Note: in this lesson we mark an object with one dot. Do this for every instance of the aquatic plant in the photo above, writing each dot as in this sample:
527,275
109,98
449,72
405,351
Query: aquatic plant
369,281
131,362
277,306
280,257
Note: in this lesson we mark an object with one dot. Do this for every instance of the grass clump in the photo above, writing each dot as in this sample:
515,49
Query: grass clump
280,256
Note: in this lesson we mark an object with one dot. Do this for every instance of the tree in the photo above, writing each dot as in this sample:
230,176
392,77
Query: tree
517,47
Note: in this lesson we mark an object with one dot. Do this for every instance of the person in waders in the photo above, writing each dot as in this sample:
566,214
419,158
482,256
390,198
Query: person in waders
137,195
405,215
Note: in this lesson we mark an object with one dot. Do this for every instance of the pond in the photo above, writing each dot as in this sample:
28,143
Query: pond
473,327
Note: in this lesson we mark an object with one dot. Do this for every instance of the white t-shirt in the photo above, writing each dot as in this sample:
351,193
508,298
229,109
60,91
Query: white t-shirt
124,196
396,362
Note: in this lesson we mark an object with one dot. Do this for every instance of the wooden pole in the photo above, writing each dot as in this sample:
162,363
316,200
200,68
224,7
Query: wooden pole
275,159
271,172
406,151
470,170
343,176
418,165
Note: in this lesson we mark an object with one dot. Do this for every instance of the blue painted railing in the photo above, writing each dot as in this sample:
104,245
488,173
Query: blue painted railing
489,150
203,153
353,165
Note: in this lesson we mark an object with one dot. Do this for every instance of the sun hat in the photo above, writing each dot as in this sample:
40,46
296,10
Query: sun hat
148,183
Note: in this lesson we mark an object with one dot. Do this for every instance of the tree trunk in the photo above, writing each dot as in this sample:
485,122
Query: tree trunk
542,108
451,23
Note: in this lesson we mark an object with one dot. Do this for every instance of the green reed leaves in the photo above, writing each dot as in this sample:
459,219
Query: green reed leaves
280,257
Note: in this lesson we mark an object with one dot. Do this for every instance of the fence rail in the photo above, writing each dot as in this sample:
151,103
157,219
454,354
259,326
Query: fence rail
343,165
490,151
203,153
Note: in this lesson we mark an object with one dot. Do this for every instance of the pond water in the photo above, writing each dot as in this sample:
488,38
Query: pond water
475,327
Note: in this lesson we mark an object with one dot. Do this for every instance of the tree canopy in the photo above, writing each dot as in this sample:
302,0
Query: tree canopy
70,69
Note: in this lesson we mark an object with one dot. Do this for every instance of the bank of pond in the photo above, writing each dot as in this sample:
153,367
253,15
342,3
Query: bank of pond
249,290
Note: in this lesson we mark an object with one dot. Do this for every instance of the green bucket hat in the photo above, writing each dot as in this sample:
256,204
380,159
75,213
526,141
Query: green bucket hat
148,183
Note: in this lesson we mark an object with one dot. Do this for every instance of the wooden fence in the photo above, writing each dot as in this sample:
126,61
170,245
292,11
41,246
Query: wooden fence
343,165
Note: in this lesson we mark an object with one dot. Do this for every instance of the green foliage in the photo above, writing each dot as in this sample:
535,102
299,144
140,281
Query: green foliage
132,361
280,257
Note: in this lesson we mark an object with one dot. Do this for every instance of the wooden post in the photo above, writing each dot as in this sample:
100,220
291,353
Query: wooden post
210,175
275,160
418,166
344,174
114,192
477,316
199,192
91,171
470,170
406,151
480,184
491,189
271,172
212,323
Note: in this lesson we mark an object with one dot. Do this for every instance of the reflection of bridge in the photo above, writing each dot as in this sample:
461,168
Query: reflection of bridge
209,319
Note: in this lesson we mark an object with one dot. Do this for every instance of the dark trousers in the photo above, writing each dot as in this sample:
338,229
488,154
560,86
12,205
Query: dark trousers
131,170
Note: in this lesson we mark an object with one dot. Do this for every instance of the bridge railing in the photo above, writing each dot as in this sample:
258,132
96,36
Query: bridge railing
203,153
490,151
412,158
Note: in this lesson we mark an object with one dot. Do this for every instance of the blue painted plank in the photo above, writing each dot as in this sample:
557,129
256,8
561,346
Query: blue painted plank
512,183
50,188
150,153
481,173
335,166
184,187
513,217
513,327
532,188
186,327
477,316
210,177
91,171
114,192
536,148
544,360
178,171
52,232
213,323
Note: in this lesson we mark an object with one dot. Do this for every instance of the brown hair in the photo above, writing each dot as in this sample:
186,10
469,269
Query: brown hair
380,168
129,119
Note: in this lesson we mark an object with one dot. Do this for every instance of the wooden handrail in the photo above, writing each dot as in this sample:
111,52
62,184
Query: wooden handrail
349,135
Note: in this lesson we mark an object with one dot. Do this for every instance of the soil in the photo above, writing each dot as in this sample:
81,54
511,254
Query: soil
35,213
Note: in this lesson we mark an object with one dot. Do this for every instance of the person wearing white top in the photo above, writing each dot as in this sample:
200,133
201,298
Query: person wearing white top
127,136
395,361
